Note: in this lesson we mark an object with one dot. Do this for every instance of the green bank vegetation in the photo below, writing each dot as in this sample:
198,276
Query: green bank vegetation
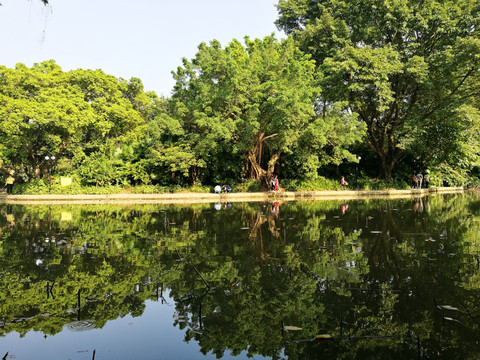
375,91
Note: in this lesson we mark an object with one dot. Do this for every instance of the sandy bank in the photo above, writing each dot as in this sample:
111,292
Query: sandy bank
191,198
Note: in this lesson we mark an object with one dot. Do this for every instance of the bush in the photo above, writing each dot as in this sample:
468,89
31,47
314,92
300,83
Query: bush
318,183
376,184
38,187
250,185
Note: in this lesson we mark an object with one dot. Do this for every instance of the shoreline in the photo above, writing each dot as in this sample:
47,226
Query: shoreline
192,198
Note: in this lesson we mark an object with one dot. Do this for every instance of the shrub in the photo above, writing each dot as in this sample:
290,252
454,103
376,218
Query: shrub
312,184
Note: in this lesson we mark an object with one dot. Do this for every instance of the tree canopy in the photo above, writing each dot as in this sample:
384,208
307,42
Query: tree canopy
71,115
410,69
254,102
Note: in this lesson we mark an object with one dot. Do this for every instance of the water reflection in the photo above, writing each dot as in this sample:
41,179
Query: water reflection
364,279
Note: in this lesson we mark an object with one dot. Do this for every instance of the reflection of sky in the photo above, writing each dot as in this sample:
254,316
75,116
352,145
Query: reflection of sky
151,336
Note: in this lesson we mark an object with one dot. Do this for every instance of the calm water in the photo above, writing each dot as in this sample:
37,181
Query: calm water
371,279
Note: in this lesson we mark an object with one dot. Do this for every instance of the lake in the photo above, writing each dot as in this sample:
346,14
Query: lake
361,279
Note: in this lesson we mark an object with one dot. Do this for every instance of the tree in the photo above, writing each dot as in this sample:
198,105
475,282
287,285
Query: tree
410,69
253,100
73,115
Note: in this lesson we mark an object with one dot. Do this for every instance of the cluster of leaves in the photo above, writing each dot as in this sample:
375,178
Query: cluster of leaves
42,186
409,69
80,117
311,184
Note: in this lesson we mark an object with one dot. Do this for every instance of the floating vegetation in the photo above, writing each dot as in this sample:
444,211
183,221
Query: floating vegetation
291,328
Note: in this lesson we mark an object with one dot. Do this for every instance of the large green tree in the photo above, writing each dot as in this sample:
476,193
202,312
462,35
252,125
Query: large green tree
254,102
72,115
254,99
408,68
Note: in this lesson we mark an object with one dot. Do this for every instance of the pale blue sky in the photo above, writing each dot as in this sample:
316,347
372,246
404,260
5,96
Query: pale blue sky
126,38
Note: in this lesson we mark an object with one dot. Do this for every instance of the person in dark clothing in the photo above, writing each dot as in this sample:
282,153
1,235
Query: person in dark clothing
426,180
9,184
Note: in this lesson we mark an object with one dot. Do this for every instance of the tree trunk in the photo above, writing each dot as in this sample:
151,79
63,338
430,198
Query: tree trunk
193,175
254,158
271,167
387,163
258,172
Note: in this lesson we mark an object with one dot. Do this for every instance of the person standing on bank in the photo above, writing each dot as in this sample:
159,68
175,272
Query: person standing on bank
275,183
343,183
9,184
426,178
419,180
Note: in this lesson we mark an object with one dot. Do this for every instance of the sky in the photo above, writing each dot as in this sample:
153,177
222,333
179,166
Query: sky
146,39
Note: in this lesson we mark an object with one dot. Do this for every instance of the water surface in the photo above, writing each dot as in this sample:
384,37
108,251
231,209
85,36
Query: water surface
386,279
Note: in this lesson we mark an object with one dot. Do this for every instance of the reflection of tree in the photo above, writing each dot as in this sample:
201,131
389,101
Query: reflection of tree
374,278
97,258
257,219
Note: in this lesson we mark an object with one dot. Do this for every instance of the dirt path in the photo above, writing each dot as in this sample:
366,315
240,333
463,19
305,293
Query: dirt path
191,198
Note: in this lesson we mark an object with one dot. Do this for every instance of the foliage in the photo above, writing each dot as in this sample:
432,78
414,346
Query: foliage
41,186
81,117
379,184
245,107
249,185
447,175
311,184
409,69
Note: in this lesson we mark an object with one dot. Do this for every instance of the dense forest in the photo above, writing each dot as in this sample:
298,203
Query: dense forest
371,90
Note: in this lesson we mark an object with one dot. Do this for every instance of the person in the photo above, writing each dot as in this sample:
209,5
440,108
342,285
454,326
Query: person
414,181
419,180
226,188
426,179
9,184
343,183
217,189
275,183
